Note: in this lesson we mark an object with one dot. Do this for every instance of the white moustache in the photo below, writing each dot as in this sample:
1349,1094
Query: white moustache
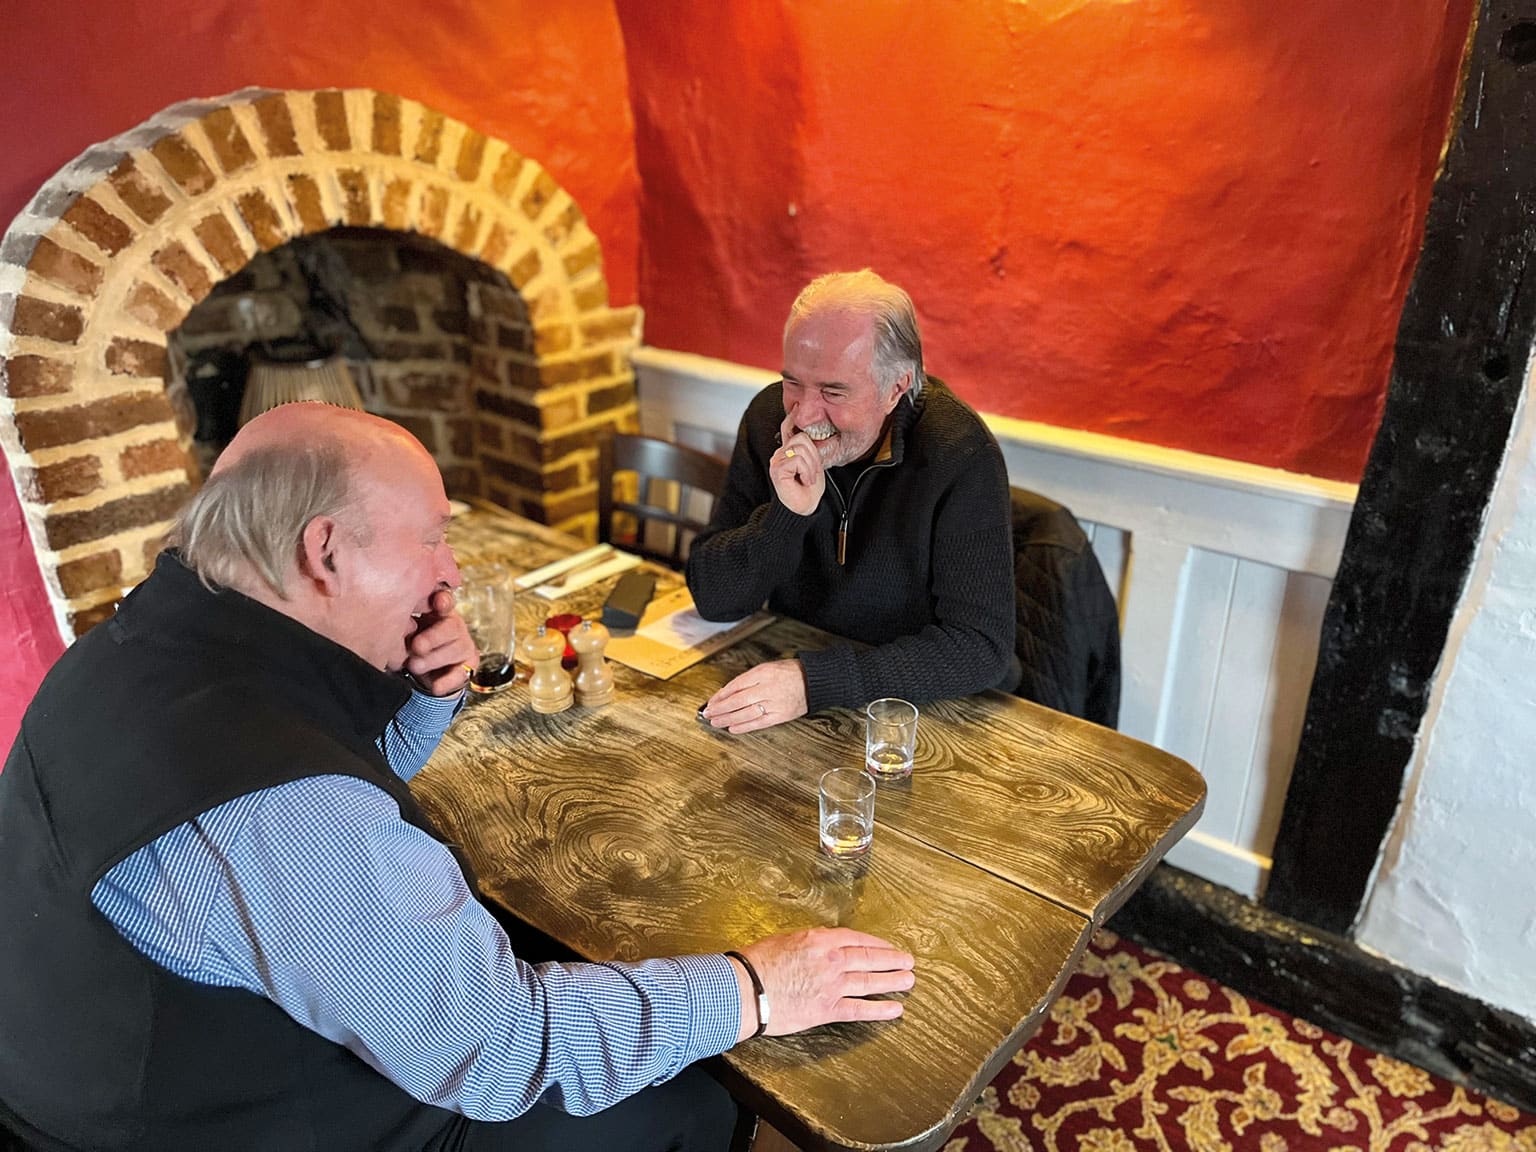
820,431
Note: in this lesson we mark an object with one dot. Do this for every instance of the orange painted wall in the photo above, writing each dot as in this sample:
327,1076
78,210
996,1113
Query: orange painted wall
1189,222
546,76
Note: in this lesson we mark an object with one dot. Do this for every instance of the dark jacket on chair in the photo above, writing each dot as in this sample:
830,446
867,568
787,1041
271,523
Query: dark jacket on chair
1068,629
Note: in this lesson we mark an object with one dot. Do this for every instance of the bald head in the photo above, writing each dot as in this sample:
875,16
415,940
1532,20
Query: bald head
282,470
359,437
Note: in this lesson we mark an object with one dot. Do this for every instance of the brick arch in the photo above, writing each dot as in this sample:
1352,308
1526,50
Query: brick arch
119,245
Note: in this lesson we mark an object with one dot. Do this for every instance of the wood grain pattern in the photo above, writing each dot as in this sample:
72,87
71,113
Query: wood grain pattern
1070,810
634,830
627,840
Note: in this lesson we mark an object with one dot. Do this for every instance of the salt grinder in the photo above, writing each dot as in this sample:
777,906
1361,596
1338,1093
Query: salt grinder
549,688
594,679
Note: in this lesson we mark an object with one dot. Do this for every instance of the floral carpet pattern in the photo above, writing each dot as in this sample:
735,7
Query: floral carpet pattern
1141,1055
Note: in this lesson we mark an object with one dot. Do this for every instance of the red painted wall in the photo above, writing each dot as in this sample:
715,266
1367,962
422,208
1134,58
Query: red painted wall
547,77
1189,223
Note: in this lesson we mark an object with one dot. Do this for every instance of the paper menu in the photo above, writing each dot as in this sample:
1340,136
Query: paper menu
673,636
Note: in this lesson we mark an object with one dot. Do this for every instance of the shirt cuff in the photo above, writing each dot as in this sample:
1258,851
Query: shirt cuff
413,732
716,999
429,715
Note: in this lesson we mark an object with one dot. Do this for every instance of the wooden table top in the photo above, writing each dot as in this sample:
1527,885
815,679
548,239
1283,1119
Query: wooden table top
633,830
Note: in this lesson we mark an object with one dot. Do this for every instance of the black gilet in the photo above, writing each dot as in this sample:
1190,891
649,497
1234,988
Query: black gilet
184,700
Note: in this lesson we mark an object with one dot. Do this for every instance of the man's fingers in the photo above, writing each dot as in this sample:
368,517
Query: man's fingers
851,939
441,648
738,694
797,454
727,690
852,1009
876,983
806,458
428,653
795,469
874,956
787,426
742,716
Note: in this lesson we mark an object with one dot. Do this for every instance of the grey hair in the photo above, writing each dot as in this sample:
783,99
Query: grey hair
251,516
898,343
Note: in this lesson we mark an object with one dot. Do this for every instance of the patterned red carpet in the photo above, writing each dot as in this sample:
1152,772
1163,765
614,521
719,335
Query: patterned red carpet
1141,1055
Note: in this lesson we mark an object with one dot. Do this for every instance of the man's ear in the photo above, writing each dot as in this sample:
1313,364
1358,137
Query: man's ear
317,554
903,386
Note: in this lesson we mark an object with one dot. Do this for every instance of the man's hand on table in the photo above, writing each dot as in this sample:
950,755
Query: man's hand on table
759,698
820,976
440,653
795,469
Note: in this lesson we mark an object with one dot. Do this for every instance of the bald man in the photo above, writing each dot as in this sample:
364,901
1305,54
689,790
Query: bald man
224,922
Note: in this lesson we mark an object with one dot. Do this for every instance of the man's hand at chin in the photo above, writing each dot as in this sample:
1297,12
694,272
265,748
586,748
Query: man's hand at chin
440,653
795,469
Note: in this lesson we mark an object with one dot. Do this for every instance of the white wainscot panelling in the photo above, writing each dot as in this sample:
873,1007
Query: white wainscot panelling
1221,570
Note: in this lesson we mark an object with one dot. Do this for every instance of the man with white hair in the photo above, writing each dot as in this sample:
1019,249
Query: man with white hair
865,498
224,921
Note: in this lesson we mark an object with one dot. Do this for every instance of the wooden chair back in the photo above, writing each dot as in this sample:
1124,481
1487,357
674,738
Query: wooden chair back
670,478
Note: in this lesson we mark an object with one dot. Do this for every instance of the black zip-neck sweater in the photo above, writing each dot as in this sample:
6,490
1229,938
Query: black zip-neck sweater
926,574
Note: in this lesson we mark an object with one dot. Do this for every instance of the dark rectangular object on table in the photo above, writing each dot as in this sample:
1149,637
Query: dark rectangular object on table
626,603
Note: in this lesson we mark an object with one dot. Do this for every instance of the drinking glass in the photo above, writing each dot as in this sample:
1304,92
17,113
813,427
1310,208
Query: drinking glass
847,810
485,602
890,738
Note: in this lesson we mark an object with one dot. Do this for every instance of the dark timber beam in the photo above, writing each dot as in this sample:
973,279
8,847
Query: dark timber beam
1463,346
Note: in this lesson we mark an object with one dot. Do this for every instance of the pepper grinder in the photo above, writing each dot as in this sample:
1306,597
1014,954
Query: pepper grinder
594,680
549,688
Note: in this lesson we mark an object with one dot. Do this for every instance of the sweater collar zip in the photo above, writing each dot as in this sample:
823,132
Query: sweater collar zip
891,451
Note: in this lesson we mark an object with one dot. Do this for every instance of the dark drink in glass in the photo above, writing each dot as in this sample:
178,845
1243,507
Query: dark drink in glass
494,674
485,601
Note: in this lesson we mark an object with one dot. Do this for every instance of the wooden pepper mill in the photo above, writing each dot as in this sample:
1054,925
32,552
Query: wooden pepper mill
549,688
594,679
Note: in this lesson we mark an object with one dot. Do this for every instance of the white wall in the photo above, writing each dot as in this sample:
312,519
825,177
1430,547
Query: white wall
1455,893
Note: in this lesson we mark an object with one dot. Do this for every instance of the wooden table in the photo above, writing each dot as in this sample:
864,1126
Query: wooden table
633,830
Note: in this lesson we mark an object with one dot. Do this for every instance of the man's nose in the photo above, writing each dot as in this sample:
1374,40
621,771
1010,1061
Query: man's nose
448,570
810,411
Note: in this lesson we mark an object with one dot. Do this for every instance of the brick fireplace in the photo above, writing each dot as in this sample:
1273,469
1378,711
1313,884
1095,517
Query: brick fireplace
116,250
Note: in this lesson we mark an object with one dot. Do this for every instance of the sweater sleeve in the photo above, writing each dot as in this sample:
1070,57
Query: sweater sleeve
753,541
969,645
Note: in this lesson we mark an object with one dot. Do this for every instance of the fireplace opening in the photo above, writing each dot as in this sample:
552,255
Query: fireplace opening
396,315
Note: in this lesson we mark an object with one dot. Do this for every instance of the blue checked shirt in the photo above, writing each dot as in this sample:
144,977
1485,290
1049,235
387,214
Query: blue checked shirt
317,895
